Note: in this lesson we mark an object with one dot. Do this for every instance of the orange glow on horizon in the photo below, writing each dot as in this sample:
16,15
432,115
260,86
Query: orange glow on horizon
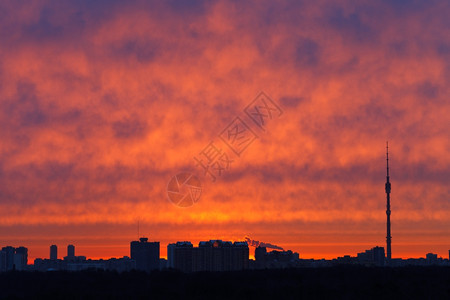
102,105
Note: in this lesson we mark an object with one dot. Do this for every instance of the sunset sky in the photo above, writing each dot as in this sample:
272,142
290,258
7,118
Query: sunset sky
102,102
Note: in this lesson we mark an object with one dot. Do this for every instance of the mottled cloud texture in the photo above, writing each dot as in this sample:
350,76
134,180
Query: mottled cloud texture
102,102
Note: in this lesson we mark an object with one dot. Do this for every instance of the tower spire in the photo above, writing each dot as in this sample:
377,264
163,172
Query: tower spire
388,208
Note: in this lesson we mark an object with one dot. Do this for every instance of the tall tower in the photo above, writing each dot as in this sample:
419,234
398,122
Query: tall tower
388,208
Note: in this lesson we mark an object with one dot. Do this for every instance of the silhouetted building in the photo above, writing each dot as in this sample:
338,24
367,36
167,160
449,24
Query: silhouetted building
220,255
260,254
432,258
71,258
203,257
21,258
162,263
214,255
79,263
53,252
70,251
345,260
146,254
124,264
374,256
8,258
13,258
2,261
260,257
179,256
217,255
239,256
275,259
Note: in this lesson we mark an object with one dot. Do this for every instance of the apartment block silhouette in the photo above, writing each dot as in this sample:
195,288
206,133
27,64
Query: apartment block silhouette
213,255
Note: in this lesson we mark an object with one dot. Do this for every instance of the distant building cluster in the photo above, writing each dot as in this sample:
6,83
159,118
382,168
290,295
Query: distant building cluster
376,257
275,259
79,263
213,256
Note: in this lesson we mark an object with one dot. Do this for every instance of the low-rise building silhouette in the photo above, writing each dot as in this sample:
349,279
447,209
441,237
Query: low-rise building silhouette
79,263
275,259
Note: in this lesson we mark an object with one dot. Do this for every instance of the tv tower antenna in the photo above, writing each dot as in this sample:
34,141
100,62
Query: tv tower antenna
388,208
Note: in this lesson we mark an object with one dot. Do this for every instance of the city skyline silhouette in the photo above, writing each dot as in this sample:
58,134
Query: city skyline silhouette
280,111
